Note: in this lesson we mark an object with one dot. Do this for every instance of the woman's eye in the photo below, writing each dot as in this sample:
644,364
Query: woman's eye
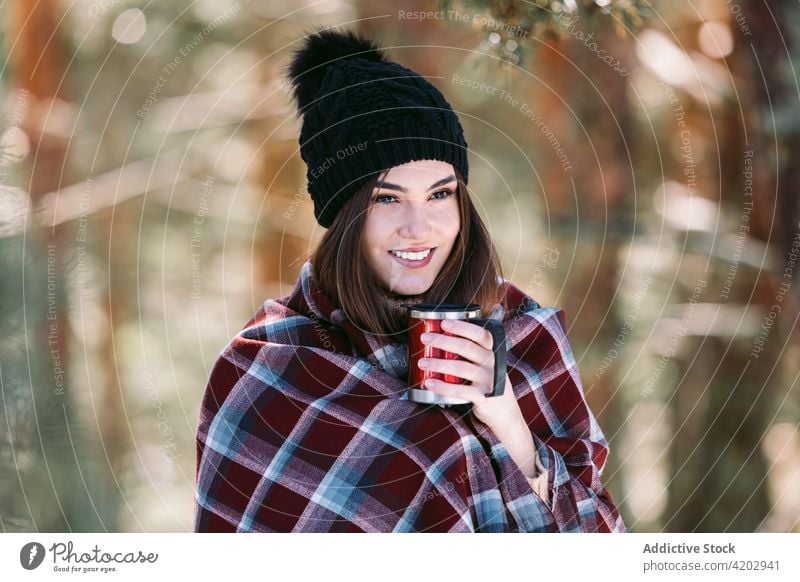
388,198
445,193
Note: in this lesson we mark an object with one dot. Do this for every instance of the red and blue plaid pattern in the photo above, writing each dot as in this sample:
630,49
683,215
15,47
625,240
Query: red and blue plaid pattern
305,427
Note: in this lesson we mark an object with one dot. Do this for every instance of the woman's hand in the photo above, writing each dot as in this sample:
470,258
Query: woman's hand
474,344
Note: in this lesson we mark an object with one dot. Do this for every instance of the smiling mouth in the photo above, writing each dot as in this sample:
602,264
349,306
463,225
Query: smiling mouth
413,260
412,256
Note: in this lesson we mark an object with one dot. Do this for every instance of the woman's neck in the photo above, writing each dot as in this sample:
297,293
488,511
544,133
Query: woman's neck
401,301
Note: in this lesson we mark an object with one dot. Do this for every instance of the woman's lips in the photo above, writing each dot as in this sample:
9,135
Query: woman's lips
413,264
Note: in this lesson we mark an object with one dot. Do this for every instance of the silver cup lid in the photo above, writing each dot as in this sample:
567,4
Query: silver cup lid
444,310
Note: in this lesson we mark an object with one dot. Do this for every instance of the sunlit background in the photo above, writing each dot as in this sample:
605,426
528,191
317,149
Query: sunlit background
637,162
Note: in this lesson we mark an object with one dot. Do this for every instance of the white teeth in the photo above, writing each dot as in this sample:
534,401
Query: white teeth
411,256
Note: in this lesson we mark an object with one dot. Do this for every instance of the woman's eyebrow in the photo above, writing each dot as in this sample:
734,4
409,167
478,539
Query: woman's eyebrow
389,186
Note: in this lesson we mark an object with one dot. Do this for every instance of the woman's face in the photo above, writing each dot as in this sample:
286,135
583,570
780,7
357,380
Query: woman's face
412,224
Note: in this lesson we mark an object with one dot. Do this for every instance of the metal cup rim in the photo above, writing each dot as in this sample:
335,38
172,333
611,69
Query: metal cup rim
444,310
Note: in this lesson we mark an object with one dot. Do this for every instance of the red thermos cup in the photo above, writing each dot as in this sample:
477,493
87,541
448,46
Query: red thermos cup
428,317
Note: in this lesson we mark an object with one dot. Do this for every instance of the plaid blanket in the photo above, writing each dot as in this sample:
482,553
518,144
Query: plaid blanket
305,427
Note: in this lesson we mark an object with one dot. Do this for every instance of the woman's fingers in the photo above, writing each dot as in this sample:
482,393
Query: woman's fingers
471,331
465,348
473,393
480,376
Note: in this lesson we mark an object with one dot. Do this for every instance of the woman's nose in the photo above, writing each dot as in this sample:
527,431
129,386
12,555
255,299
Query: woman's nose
416,223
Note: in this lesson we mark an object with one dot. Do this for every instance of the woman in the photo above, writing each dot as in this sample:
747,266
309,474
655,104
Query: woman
305,423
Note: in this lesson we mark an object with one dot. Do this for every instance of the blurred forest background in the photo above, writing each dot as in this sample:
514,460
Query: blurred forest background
637,161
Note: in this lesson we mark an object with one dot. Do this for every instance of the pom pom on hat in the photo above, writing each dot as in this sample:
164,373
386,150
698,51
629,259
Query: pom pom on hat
311,62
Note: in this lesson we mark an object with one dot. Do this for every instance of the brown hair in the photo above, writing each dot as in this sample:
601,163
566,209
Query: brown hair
469,275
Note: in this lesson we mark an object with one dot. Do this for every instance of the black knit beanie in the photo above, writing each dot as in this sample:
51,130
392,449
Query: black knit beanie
363,114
